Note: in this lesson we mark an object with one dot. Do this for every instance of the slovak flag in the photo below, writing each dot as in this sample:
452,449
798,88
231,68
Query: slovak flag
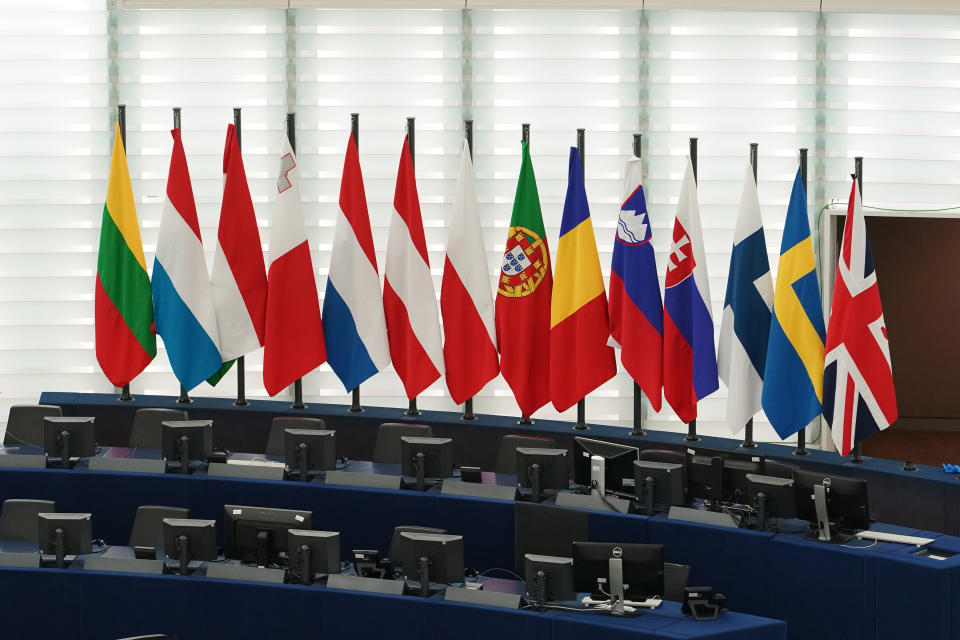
182,300
689,355
353,322
293,344
636,309
409,299
858,394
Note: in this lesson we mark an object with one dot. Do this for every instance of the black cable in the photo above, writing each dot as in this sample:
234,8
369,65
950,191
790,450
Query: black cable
603,498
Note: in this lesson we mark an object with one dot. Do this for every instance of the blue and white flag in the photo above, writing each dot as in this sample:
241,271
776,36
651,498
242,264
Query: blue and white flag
745,327
182,300
353,320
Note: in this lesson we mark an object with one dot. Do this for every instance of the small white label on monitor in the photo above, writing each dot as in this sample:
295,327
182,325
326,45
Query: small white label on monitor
237,512
691,452
755,459
628,482
585,454
298,518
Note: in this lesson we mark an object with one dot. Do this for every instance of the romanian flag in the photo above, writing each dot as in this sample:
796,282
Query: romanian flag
580,359
124,306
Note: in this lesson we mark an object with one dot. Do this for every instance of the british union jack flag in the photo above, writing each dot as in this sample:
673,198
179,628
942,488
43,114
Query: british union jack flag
858,393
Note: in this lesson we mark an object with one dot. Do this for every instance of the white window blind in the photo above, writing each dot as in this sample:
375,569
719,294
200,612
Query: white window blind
881,86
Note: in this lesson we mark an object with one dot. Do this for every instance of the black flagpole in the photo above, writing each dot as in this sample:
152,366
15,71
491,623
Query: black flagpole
355,132
692,426
748,442
241,361
801,449
292,137
122,121
412,410
637,393
856,456
184,396
525,136
581,424
468,134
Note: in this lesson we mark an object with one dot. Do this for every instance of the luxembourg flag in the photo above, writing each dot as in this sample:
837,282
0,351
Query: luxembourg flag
182,301
409,299
293,339
745,328
353,322
469,346
239,279
689,356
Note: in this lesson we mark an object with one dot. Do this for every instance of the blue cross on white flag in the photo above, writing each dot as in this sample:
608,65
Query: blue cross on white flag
745,328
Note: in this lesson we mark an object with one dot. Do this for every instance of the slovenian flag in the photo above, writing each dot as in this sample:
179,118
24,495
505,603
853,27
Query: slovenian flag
239,279
745,327
689,356
293,343
353,321
580,358
469,346
123,313
409,299
636,309
182,300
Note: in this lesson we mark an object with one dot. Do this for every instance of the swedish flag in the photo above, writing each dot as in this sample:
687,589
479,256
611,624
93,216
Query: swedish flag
793,378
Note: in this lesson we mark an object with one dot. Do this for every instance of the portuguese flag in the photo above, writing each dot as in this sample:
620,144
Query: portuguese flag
124,305
524,284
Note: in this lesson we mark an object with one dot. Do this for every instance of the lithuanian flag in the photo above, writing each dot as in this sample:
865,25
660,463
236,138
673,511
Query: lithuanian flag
124,305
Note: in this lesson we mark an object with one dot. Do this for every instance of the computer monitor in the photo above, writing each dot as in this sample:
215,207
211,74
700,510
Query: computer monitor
186,440
659,484
189,540
718,475
429,557
64,534
772,497
541,469
549,578
426,458
736,466
827,500
310,450
259,534
617,460
641,569
68,437
312,552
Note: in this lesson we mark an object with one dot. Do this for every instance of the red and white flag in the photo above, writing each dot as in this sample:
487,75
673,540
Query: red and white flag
239,279
293,345
466,303
409,299
858,394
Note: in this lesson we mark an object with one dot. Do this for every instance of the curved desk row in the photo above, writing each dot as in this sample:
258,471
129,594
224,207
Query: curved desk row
926,498
883,590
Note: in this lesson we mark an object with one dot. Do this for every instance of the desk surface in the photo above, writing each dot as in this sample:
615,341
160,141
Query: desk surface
197,607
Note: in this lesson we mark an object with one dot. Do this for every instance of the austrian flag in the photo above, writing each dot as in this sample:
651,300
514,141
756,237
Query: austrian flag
858,395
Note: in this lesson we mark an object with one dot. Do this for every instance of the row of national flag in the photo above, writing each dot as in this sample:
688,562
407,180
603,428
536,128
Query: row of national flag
551,332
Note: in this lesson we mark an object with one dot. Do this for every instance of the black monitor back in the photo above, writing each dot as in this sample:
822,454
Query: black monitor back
202,535
553,467
81,430
642,568
445,553
669,482
618,473
324,549
248,529
779,495
322,448
438,453
76,532
847,499
199,433
558,576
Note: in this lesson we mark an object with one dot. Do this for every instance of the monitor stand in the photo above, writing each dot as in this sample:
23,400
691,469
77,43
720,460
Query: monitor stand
59,547
650,485
183,553
183,448
533,473
762,512
824,531
303,564
540,582
423,575
63,444
303,458
420,465
616,586
598,474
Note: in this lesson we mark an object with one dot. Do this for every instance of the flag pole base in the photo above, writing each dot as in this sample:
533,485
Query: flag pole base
468,410
524,420
355,402
801,449
637,431
581,424
856,457
412,410
298,395
184,396
692,432
125,394
909,466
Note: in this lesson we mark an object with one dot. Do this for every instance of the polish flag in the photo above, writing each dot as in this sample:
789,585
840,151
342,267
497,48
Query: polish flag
293,344
469,346
239,280
409,299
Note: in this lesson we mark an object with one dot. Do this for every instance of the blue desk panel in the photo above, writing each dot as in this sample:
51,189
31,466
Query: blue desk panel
87,605
924,499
